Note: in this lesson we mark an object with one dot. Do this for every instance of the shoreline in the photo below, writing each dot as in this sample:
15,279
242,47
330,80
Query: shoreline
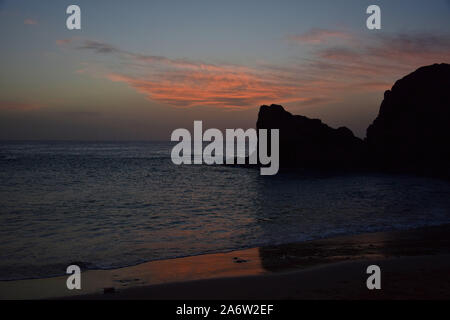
223,275
219,252
403,278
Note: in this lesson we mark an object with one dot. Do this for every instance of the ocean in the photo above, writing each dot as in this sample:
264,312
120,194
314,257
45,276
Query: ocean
106,205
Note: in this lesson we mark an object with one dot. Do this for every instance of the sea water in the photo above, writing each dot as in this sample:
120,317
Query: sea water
113,204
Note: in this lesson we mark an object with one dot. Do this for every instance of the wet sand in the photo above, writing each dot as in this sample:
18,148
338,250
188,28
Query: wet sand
415,264
424,277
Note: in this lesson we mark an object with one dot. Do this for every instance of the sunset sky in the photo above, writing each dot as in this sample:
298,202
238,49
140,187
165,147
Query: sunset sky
140,69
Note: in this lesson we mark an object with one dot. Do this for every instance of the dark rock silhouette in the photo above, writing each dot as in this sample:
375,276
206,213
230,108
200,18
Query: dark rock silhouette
410,134
309,143
412,130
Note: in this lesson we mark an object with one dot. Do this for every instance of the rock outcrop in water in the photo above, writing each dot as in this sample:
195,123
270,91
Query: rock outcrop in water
309,143
412,130
410,134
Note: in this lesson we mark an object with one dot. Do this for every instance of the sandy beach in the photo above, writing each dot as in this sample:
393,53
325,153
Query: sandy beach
424,277
415,264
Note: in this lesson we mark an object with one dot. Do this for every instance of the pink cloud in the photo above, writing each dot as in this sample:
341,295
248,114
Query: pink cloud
385,57
19,106
63,41
329,74
317,36
30,21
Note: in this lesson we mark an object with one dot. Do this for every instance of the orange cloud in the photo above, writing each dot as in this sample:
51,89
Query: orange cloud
224,87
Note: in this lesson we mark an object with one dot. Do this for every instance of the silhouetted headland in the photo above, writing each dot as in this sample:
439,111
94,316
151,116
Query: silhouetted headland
412,130
309,143
411,133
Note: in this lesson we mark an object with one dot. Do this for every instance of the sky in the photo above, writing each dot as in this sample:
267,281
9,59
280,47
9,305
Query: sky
137,70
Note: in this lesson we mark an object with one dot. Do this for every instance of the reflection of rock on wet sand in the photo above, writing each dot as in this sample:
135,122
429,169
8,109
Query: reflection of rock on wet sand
419,242
423,274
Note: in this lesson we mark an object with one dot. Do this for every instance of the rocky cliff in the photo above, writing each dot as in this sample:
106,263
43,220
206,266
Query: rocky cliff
309,143
412,130
410,134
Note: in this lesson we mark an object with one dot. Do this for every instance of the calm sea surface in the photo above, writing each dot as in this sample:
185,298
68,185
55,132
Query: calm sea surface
107,205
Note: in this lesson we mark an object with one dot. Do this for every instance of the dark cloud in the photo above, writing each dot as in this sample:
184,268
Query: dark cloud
99,47
412,43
